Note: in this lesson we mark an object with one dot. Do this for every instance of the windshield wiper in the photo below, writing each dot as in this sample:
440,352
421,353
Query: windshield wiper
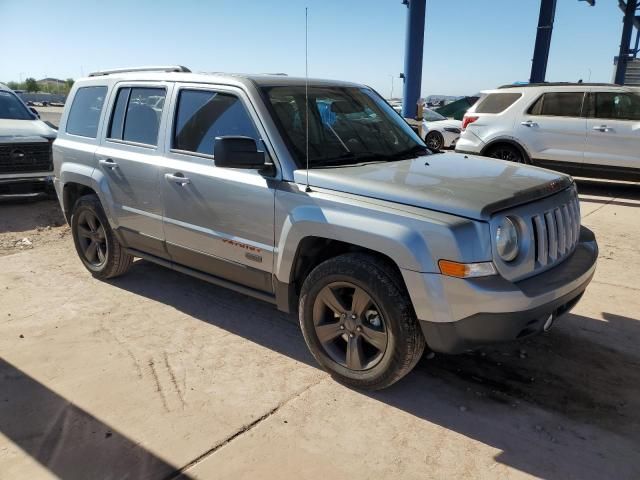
413,152
350,158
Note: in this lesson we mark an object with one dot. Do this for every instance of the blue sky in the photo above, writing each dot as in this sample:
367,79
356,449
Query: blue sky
469,44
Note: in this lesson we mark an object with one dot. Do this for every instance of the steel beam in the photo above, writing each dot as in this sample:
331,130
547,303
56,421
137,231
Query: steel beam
414,44
625,42
543,41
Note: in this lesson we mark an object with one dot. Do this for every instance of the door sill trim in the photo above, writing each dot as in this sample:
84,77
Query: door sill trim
265,297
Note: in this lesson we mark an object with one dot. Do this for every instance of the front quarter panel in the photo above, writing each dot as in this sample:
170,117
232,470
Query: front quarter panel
415,239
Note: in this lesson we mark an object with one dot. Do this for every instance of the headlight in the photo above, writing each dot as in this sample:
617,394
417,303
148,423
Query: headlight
507,240
451,129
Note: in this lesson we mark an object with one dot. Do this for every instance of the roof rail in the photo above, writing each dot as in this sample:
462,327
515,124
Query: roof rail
559,84
169,68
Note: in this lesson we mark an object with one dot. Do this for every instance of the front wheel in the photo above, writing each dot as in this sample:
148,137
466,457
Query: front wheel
95,242
434,141
358,321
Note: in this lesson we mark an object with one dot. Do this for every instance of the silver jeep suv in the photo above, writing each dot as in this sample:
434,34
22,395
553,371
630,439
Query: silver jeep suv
380,246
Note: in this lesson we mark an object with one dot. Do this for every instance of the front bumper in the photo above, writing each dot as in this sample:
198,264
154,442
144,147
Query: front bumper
26,186
457,315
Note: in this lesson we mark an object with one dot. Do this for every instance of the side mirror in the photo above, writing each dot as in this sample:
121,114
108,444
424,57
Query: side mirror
35,112
237,152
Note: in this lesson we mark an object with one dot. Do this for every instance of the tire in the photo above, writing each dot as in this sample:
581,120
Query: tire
434,141
89,227
369,362
505,151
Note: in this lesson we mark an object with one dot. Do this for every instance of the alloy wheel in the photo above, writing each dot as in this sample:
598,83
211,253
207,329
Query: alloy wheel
92,238
507,154
350,326
434,142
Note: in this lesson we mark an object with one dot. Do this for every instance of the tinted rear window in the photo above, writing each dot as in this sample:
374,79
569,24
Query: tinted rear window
558,104
84,115
136,115
497,102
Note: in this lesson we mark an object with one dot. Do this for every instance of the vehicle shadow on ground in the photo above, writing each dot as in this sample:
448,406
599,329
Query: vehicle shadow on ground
567,373
614,193
21,215
65,439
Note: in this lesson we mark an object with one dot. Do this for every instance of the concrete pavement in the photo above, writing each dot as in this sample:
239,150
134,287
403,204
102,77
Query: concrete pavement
158,375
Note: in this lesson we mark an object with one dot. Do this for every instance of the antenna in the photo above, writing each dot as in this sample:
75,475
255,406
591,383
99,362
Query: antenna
306,89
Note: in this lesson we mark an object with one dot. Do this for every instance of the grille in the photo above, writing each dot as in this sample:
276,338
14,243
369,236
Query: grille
556,232
25,157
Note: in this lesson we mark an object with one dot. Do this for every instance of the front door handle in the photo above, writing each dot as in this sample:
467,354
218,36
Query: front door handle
178,178
602,128
529,123
108,163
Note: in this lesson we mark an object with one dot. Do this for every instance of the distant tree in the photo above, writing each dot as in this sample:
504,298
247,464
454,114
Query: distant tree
13,85
69,82
31,85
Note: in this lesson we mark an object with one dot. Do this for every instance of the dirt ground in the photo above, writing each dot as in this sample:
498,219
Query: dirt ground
158,375
25,225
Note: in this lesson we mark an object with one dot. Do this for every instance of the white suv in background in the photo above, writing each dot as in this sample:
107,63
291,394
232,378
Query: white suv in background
582,129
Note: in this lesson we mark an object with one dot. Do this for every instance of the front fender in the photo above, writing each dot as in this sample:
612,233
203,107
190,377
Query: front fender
406,247
413,238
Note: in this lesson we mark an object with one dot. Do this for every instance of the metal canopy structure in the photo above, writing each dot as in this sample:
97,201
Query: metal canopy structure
627,53
414,44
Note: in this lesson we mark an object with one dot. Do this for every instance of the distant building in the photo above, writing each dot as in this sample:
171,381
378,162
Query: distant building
51,82
51,85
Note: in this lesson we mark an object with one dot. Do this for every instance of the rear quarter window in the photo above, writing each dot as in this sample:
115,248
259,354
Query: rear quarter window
497,102
85,112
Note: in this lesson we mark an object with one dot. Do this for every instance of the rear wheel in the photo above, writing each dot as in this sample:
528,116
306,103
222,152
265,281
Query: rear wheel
435,141
358,321
505,151
95,242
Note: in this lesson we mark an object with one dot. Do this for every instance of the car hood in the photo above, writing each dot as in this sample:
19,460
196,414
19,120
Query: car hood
25,128
464,185
444,123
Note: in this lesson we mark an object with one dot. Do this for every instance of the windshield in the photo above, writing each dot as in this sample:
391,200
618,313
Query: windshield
13,109
431,116
347,125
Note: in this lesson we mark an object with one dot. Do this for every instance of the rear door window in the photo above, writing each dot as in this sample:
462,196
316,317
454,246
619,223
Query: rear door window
497,102
558,104
615,106
85,112
203,115
136,115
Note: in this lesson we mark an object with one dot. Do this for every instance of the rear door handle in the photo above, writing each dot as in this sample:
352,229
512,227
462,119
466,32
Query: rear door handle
108,163
178,178
529,123
602,128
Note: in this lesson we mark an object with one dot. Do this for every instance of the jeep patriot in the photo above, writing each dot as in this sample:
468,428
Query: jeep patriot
382,247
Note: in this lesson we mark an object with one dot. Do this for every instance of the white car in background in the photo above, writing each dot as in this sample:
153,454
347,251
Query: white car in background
439,132
585,130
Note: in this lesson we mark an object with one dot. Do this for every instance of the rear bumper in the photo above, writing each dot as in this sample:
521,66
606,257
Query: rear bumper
469,143
458,315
